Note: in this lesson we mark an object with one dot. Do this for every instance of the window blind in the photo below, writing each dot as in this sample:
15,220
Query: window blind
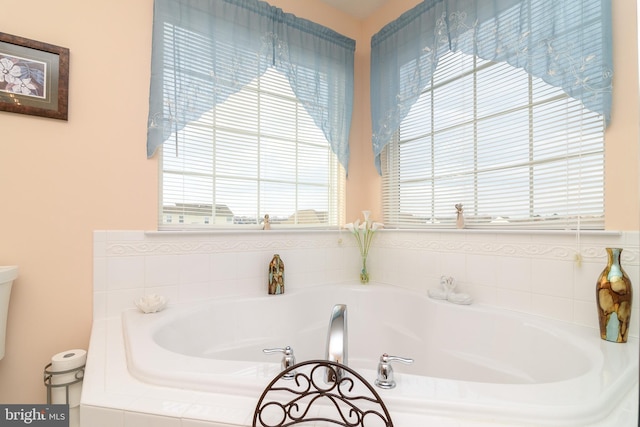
257,153
515,151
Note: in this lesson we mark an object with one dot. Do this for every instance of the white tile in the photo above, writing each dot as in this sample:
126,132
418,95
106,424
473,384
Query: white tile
295,262
93,416
125,272
335,258
138,419
634,275
481,269
514,238
99,273
294,280
162,270
99,244
585,313
453,264
200,423
99,235
224,265
195,292
552,278
166,407
513,300
553,239
125,236
120,300
195,268
514,273
634,329
235,287
585,277
209,406
553,307
99,305
632,238
482,294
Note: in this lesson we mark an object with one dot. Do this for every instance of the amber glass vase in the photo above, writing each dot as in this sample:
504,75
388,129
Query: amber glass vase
614,296
276,276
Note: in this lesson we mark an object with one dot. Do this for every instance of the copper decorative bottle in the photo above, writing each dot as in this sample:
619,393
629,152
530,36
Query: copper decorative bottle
614,296
276,276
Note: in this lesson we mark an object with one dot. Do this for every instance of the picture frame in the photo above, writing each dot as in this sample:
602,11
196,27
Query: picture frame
34,77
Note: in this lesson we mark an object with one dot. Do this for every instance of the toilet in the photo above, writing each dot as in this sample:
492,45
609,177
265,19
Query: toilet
7,275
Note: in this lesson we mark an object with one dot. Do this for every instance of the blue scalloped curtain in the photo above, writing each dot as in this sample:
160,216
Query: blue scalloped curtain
566,43
206,50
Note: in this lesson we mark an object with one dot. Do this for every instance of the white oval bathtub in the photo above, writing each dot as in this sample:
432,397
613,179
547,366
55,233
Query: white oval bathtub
473,361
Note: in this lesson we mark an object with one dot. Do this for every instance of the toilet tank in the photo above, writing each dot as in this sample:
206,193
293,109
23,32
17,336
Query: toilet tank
7,275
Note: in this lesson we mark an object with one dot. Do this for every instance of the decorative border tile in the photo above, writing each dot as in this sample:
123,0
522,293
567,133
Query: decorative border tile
188,244
589,251
558,247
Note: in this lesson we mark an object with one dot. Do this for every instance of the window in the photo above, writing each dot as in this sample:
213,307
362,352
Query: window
252,109
257,153
515,151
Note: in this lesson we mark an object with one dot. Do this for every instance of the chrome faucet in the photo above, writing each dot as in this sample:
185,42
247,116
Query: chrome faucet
288,360
385,371
337,348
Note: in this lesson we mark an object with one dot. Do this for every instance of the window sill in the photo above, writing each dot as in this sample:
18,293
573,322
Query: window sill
532,232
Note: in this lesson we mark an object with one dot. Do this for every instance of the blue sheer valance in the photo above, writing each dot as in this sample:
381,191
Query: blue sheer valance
206,50
566,43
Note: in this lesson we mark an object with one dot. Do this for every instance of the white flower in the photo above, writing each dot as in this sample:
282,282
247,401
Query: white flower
24,87
376,226
9,71
363,232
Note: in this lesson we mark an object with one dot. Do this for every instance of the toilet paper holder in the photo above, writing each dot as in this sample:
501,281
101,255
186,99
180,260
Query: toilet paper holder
78,375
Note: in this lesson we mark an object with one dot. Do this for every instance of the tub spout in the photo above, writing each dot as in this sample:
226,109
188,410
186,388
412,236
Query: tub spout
337,348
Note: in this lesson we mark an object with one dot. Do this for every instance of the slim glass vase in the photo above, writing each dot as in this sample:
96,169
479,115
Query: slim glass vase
614,296
364,274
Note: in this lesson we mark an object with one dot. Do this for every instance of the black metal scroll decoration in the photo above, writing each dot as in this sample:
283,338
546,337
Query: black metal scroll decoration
308,398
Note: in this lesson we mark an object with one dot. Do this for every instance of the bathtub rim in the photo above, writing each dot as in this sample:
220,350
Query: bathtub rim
596,410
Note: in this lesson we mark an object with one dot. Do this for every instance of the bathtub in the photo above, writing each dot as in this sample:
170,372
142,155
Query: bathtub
472,364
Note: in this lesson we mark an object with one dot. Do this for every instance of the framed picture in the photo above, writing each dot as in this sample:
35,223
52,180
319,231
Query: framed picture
34,77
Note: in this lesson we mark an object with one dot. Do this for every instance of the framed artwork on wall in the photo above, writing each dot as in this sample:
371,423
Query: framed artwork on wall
34,77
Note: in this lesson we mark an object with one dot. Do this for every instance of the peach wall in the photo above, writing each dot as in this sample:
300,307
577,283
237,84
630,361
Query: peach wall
62,180
622,139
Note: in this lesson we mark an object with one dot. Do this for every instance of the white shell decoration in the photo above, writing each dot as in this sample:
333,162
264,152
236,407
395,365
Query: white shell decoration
460,298
151,303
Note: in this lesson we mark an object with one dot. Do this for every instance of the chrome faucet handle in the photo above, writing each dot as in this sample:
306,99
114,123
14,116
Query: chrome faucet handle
385,370
288,360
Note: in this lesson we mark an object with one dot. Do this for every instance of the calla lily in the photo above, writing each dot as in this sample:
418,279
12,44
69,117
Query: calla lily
364,231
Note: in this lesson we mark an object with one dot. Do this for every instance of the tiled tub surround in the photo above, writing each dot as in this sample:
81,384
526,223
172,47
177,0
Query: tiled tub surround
529,272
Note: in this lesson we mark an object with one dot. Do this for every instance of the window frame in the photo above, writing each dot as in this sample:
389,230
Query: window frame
391,156
335,183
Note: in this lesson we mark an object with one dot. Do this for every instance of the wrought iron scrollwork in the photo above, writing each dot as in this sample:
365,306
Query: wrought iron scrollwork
349,402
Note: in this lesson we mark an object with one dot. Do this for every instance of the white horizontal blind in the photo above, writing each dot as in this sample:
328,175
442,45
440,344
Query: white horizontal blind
257,153
513,150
